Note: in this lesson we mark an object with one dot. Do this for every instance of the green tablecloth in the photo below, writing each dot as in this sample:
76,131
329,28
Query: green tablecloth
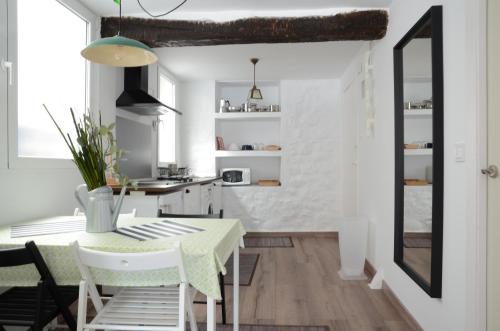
205,254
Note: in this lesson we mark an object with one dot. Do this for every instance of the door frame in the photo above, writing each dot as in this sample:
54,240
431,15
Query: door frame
477,154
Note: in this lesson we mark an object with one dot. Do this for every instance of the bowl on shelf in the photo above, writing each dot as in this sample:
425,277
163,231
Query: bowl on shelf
234,109
233,147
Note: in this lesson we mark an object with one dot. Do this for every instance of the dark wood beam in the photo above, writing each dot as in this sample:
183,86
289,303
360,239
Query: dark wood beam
357,25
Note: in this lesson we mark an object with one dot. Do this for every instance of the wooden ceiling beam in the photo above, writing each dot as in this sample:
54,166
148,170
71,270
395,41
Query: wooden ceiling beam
357,25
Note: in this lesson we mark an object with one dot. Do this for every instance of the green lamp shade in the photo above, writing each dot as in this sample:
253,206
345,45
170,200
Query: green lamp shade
119,51
255,93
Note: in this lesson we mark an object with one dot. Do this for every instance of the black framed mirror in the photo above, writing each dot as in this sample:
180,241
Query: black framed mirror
418,93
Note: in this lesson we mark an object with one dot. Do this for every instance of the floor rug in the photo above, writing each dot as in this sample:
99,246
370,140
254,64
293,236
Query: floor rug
248,263
268,242
417,243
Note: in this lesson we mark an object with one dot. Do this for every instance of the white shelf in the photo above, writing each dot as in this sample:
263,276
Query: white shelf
418,79
247,153
418,152
418,187
418,112
248,116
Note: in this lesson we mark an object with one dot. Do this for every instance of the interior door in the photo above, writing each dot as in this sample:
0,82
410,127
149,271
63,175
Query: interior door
4,81
493,276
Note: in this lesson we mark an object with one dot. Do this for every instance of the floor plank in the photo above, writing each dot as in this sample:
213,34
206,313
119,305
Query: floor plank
300,286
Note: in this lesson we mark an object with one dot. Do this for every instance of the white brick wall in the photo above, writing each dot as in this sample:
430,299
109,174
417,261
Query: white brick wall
311,136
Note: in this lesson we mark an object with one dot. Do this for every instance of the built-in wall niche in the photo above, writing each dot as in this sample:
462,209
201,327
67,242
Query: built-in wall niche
257,129
259,133
260,167
237,92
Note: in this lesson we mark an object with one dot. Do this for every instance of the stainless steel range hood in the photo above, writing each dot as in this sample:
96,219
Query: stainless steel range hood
135,98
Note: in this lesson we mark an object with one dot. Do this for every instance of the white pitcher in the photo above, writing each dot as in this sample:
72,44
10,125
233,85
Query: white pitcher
99,207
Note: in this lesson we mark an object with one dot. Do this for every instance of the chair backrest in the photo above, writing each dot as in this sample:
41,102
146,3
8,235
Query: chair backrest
220,215
130,261
14,257
29,254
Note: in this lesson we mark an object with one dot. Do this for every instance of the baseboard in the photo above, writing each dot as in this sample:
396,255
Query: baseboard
317,234
409,319
370,272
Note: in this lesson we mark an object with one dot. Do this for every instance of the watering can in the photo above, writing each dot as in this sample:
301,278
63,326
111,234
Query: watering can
100,208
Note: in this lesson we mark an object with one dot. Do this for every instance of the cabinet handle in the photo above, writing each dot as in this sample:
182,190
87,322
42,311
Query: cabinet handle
188,191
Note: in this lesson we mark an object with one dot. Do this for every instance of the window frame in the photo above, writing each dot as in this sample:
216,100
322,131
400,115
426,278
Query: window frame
162,71
14,161
4,149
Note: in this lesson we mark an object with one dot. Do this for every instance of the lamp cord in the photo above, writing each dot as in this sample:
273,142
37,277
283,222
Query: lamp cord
120,20
254,74
160,15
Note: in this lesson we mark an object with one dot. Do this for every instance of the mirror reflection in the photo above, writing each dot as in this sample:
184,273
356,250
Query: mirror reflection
418,141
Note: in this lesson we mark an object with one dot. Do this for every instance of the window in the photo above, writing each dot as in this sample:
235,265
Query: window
166,127
50,71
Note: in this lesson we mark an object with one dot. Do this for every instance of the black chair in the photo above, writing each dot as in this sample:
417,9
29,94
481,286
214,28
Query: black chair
222,303
34,307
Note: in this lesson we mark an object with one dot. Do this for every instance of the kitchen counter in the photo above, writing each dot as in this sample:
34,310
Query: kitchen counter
155,187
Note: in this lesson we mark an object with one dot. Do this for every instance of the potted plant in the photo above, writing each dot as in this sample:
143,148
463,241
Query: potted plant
95,154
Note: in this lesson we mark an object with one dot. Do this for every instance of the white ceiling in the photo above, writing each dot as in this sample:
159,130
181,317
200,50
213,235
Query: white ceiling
277,61
230,9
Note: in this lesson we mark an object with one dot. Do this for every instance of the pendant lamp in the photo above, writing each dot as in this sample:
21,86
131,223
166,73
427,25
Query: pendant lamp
254,91
119,51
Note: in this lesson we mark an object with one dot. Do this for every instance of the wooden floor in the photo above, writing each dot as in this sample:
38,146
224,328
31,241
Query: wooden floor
419,259
300,286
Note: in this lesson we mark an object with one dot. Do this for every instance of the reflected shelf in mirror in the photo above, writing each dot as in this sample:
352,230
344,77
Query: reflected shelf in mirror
418,113
418,152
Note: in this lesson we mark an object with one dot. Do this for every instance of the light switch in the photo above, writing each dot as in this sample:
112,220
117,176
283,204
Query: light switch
460,152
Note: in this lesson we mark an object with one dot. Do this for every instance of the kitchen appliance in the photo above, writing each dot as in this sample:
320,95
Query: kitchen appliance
235,176
135,97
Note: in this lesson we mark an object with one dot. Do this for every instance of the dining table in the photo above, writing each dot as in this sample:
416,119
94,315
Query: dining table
206,252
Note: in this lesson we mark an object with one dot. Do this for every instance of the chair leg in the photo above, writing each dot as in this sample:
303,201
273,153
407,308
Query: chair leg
82,306
223,295
190,310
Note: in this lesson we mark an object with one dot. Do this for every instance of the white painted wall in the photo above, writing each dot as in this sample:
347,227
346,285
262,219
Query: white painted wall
196,100
33,193
312,171
376,167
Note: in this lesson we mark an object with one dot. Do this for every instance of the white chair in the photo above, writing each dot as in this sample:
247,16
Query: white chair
135,308
132,214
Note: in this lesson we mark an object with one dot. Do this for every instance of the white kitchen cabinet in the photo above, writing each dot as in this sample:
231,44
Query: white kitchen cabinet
216,196
145,205
206,199
172,203
191,197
